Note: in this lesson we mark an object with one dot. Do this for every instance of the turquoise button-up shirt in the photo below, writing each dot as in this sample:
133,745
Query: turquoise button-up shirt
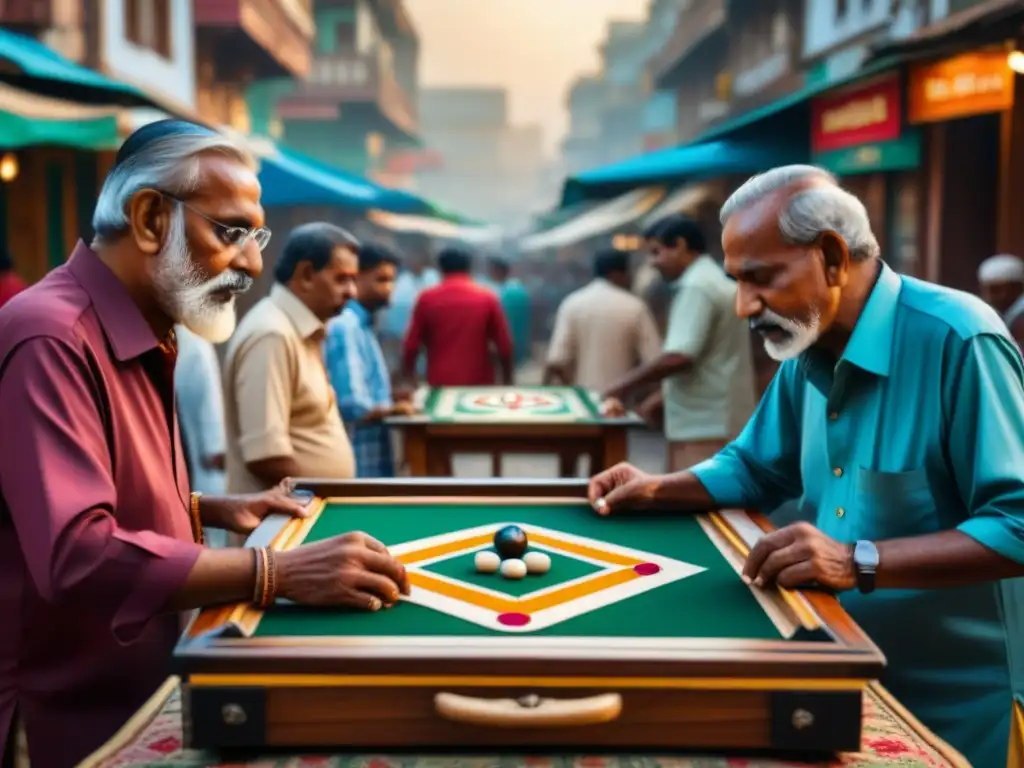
918,428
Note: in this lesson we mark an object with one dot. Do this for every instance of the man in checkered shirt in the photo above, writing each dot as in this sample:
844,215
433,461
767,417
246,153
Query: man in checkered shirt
355,363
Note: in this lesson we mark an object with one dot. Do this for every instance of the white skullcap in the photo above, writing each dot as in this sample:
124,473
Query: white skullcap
1003,268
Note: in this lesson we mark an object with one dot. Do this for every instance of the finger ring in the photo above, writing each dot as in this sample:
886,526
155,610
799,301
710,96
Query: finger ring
374,604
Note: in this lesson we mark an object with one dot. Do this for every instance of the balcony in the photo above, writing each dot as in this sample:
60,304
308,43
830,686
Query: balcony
361,85
693,27
23,15
270,38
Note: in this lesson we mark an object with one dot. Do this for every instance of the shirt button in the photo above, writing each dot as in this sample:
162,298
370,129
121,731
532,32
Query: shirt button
840,512
833,416
838,472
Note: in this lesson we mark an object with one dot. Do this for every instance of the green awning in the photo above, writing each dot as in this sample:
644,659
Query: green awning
28,119
902,154
798,98
30,65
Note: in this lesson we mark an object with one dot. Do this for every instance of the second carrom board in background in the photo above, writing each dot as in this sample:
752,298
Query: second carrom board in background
501,420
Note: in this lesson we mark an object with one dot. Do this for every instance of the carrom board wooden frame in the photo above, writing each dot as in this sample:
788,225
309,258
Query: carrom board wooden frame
422,692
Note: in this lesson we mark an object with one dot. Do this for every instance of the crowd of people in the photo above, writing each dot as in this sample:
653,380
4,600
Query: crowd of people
133,457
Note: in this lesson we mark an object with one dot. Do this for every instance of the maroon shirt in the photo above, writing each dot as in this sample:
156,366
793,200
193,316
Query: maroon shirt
457,322
10,286
95,534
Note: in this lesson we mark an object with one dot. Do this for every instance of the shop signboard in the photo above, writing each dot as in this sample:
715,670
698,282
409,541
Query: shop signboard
867,113
975,83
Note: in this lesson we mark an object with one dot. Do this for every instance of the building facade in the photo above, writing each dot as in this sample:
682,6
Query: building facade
482,164
617,113
146,43
357,109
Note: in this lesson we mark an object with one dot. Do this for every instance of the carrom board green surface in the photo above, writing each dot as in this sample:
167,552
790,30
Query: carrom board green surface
712,602
512,403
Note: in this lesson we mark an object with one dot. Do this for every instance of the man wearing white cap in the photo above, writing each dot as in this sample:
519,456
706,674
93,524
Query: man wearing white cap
1001,279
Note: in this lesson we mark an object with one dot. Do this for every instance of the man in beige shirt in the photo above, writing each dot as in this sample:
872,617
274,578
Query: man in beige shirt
706,369
601,331
281,416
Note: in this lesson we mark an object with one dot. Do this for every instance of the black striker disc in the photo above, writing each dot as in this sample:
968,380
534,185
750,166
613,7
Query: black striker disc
510,542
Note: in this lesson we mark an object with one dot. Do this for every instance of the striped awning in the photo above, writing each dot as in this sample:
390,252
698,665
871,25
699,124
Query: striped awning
683,200
30,119
435,227
600,220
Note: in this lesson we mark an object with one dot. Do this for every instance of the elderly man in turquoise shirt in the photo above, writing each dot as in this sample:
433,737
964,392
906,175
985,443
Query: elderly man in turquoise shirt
897,420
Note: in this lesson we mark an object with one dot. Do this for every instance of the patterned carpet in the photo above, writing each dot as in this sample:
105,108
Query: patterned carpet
892,737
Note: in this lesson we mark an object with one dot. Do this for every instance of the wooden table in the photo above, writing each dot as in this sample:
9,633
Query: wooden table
565,421
154,738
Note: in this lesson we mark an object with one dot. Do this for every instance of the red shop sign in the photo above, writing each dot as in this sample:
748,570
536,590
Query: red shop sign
861,115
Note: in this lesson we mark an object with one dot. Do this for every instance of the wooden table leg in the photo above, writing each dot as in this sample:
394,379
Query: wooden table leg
568,461
615,449
415,448
439,462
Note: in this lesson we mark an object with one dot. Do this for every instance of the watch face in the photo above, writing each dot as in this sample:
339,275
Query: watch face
865,554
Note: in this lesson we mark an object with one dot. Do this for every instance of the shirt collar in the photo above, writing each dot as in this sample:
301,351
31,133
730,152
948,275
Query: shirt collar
870,345
306,323
123,324
361,312
680,281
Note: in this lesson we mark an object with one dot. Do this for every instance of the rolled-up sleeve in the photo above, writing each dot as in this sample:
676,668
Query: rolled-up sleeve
57,480
263,396
690,322
986,442
761,467
562,347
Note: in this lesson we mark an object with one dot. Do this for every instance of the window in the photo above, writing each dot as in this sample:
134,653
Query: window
344,36
842,6
147,23
780,33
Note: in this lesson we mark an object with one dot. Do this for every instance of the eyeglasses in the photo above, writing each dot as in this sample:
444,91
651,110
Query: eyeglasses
230,234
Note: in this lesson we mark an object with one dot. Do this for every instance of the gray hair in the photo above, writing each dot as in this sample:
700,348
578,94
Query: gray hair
821,208
170,164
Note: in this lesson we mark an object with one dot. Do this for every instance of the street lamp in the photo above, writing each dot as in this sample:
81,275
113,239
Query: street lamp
8,167
1016,61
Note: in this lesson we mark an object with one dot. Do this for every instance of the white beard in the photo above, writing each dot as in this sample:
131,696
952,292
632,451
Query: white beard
186,296
801,335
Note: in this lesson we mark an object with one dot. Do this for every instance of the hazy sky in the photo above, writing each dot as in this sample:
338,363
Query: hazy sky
535,48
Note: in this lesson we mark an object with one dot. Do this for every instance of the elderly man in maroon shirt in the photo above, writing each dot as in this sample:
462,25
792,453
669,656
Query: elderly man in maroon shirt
461,325
98,530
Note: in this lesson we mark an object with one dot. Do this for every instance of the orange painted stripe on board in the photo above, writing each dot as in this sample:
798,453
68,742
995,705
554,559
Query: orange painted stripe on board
533,605
447,548
575,591
571,547
594,553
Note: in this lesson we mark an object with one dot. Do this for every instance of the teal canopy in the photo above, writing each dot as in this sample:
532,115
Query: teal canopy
679,164
28,64
290,178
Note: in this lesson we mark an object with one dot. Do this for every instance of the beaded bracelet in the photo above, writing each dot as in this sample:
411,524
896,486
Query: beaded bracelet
197,523
257,588
265,586
270,579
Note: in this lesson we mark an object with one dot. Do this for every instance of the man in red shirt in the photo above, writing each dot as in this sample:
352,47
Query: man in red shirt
10,283
460,324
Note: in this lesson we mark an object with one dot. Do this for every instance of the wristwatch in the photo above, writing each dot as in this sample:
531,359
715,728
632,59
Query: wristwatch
865,562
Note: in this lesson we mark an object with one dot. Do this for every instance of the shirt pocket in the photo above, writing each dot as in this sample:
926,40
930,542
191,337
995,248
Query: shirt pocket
894,504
